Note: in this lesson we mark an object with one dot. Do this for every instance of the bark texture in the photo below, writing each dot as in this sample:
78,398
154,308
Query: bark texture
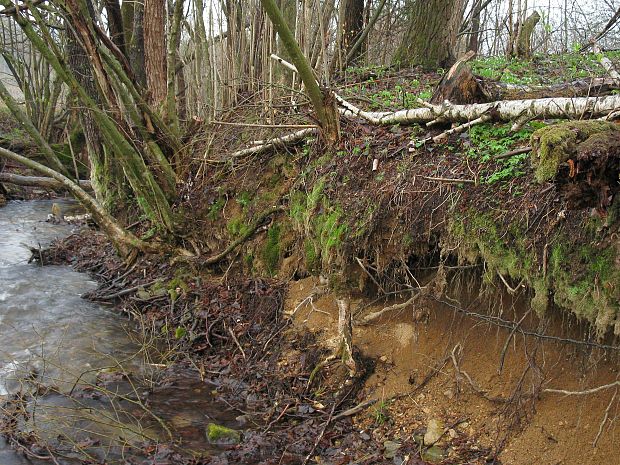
352,24
524,40
115,23
431,36
155,50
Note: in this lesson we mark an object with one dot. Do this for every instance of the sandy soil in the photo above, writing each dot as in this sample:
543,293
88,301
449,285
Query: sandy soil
500,410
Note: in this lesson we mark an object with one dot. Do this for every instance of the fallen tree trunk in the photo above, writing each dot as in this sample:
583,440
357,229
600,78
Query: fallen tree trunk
579,88
38,181
508,110
504,110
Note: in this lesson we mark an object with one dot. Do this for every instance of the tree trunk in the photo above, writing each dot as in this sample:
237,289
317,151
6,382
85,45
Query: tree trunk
106,177
508,110
133,20
474,38
173,64
323,102
115,24
38,181
155,50
351,25
524,39
431,35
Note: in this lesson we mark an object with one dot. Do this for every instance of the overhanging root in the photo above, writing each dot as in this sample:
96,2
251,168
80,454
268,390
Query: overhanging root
378,314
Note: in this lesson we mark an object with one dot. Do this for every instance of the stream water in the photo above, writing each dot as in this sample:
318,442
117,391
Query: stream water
49,333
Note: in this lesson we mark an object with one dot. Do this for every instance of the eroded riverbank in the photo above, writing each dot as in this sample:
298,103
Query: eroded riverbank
487,385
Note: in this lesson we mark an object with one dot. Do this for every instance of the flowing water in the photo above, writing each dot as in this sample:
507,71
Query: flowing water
49,333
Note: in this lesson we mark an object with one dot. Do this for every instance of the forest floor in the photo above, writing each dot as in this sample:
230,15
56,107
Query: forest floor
517,287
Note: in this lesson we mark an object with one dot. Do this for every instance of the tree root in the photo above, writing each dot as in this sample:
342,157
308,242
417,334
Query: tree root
378,314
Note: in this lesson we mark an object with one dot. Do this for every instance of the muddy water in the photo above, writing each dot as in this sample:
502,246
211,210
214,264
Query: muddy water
49,333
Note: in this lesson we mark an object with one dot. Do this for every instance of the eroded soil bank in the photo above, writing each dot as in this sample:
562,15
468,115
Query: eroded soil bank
456,369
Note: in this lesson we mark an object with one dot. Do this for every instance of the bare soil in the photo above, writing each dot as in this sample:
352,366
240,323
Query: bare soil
498,420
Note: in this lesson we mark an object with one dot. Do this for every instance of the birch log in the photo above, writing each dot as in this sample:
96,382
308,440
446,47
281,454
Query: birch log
507,110
503,110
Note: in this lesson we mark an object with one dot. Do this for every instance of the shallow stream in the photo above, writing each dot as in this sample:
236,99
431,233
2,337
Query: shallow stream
48,333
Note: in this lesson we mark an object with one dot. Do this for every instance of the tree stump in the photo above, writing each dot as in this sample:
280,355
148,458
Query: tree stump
459,85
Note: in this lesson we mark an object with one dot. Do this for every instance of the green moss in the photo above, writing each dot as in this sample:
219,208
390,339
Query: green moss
585,281
581,278
554,145
271,251
313,263
244,198
218,434
237,227
540,301
320,222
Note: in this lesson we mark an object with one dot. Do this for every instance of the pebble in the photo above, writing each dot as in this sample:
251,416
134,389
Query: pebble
434,431
453,434
384,358
448,393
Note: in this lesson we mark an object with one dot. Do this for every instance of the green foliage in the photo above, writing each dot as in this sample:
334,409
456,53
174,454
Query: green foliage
237,227
380,413
541,70
585,280
244,198
320,222
490,140
216,208
271,251
580,278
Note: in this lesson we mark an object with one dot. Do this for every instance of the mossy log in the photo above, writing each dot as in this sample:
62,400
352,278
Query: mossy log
583,158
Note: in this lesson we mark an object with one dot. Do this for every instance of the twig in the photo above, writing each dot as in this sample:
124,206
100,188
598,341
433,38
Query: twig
359,262
269,144
232,333
466,181
127,291
514,152
459,129
251,230
275,126
277,419
511,291
354,410
375,315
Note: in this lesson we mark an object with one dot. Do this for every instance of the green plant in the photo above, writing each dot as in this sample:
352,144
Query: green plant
216,208
490,140
244,198
380,413
271,250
